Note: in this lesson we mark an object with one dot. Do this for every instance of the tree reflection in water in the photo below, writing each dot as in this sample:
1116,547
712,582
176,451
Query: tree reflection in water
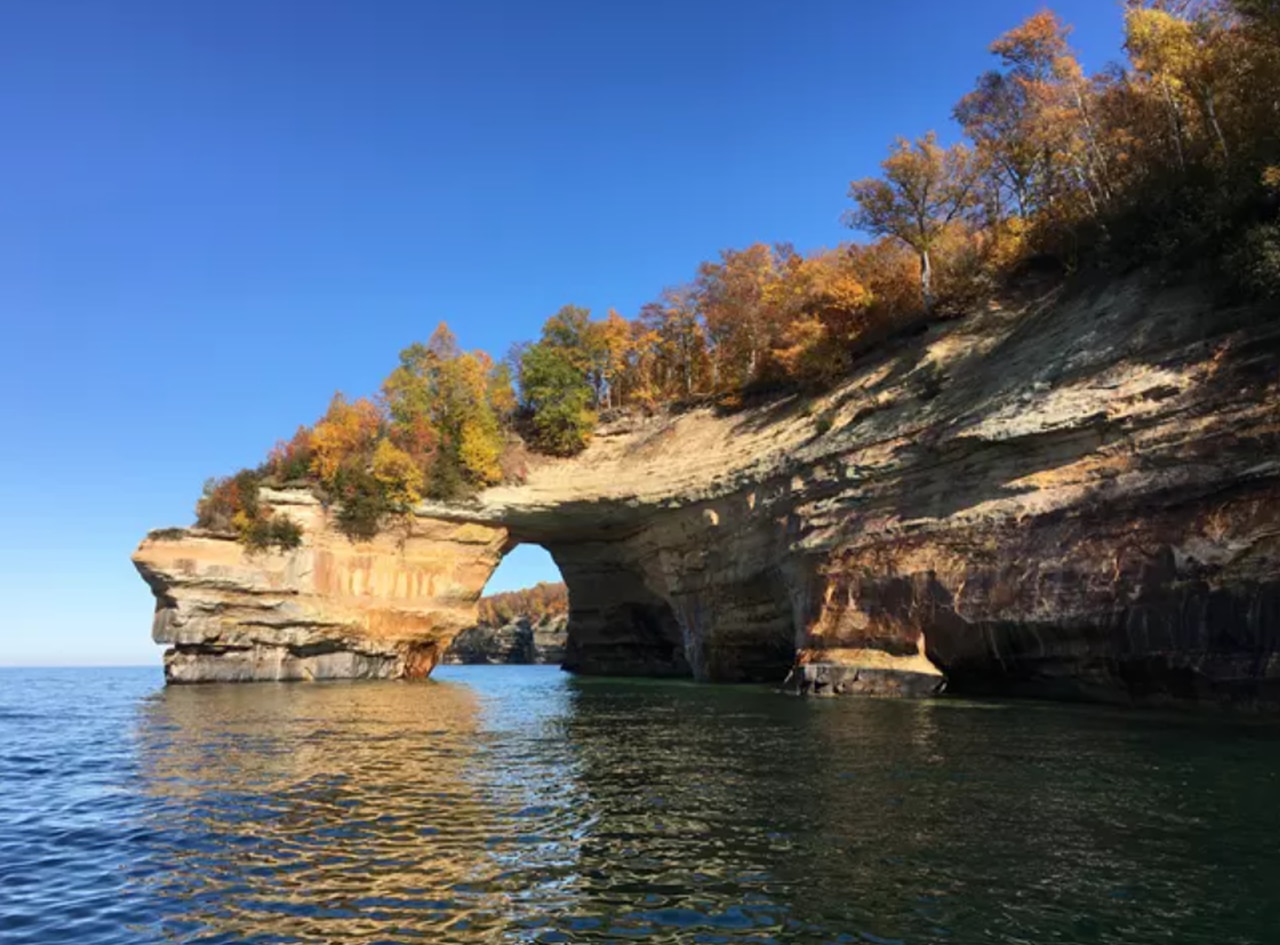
515,804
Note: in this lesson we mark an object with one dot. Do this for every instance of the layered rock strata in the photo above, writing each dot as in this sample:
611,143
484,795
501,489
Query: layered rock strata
522,641
1073,496
333,608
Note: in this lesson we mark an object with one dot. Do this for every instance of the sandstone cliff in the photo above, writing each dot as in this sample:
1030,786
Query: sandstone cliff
520,641
330,609
1073,496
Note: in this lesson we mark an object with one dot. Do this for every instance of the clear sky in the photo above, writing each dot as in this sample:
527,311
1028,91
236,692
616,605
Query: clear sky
217,212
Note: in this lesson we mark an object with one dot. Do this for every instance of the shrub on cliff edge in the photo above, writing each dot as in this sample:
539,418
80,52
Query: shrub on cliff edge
232,504
362,504
1255,263
267,532
226,497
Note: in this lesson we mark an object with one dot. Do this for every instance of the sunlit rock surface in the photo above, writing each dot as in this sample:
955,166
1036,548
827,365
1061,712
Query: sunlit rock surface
331,609
1072,497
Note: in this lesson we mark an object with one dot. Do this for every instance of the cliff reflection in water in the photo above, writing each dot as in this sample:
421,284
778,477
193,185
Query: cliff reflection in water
515,804
350,812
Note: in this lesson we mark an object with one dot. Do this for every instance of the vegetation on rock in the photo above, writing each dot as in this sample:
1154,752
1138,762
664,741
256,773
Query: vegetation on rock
537,603
233,504
438,430
1170,158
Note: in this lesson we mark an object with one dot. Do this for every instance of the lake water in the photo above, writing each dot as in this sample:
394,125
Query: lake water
518,804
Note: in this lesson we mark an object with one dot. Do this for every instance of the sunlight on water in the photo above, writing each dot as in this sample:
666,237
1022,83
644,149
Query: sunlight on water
516,804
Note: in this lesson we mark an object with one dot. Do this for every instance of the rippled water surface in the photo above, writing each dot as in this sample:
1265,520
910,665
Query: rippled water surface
514,804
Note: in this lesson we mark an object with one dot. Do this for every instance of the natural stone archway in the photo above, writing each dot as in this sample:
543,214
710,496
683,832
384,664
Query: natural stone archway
617,624
1081,499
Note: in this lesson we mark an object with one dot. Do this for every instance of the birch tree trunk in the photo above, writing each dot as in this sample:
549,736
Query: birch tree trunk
926,281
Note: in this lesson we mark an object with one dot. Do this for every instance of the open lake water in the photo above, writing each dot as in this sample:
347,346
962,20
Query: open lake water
519,804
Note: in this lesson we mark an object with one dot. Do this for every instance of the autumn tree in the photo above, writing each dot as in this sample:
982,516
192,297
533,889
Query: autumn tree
1055,116
1148,57
996,116
400,477
1181,58
740,299
501,392
611,346
291,459
233,504
680,351
924,189
823,317
225,498
344,438
638,379
535,604
1039,147
445,407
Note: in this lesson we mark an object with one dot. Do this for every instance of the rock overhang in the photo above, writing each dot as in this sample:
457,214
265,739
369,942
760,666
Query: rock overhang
1010,516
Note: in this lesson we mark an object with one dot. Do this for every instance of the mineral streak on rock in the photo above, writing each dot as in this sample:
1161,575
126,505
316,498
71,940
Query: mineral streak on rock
1076,497
330,609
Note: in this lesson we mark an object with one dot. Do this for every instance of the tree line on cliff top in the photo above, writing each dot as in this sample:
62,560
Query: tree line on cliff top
536,604
1172,157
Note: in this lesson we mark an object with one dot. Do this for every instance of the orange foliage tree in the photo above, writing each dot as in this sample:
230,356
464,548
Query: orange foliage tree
1174,155
535,604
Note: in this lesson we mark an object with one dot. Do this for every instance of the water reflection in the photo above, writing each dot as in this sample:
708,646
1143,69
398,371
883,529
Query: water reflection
519,805
330,813
1032,822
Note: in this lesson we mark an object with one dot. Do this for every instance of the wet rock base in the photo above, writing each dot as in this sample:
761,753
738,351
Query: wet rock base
834,679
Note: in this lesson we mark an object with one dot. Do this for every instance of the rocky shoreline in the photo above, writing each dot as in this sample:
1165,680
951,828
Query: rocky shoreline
521,641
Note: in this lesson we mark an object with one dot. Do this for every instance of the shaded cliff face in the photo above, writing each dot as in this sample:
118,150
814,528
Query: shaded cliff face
520,641
1076,497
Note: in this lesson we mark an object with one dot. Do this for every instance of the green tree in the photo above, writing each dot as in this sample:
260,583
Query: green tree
558,397
445,407
585,343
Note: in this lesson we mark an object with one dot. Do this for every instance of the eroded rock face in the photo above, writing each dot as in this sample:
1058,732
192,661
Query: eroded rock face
521,641
1079,497
330,609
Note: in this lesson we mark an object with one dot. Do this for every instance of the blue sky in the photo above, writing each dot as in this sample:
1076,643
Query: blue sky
217,212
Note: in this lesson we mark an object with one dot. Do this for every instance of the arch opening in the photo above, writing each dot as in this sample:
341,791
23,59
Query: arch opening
523,613
619,625
584,605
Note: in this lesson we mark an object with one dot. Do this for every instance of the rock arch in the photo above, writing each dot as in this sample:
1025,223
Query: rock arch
670,597
1065,502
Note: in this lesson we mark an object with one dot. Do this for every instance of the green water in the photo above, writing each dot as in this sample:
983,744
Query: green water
517,804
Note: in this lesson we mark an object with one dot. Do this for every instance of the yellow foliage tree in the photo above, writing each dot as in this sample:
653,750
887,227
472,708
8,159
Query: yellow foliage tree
471,418
401,478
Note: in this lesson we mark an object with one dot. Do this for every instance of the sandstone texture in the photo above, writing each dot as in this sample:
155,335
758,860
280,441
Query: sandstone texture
330,609
520,641
1077,496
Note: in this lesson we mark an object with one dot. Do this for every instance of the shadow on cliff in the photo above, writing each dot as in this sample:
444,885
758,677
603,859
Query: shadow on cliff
1146,575
1174,642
